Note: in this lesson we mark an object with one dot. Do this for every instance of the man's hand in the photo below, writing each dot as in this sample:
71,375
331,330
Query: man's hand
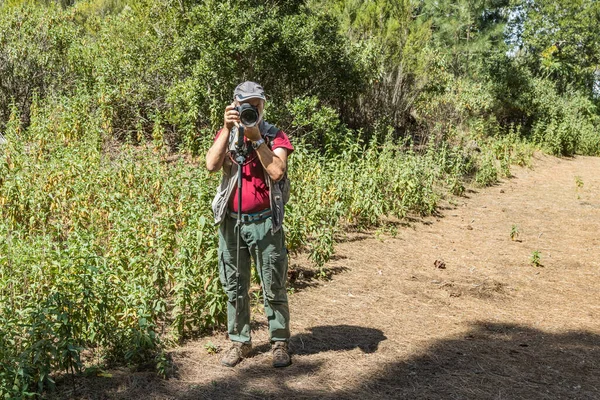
231,117
252,133
217,152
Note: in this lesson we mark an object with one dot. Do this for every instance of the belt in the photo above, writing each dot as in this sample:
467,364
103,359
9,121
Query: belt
257,216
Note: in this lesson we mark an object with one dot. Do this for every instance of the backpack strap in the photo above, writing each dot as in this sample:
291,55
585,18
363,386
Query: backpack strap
268,130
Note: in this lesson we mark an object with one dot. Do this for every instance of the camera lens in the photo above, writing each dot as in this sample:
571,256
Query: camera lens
248,114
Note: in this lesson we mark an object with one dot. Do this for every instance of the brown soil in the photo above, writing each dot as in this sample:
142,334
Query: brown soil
449,308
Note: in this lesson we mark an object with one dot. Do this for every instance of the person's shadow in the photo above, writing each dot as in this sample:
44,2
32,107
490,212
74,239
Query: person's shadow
333,338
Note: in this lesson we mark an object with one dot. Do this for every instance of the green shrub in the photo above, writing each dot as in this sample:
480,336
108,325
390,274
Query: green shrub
34,44
565,125
101,250
112,250
487,174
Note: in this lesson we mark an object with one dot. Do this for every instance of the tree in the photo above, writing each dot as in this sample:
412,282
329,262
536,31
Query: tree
559,40
467,31
394,42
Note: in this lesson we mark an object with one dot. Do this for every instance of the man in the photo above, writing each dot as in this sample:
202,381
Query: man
262,237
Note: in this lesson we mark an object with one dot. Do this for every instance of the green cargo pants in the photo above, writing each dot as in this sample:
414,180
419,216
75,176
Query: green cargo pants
270,257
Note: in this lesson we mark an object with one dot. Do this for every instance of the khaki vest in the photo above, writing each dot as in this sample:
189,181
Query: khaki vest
278,191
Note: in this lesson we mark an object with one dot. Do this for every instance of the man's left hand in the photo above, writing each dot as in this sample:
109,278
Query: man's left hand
252,133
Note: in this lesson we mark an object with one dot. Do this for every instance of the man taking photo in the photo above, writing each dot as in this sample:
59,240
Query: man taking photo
255,231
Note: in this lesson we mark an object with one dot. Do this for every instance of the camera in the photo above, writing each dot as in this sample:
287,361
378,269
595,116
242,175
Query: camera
248,114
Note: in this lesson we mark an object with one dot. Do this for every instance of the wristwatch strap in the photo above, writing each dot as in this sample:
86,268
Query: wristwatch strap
256,145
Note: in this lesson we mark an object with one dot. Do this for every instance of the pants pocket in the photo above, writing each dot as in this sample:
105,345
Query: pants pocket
275,276
226,274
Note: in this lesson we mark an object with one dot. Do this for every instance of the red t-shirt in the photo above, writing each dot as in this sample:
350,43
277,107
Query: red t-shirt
255,192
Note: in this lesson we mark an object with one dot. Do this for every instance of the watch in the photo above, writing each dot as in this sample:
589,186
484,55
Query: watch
256,145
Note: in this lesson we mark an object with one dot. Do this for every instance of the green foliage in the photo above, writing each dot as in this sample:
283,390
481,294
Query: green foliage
423,68
467,32
393,45
101,249
536,259
514,232
566,125
211,348
318,126
34,43
559,41
488,173
170,63
292,54
107,246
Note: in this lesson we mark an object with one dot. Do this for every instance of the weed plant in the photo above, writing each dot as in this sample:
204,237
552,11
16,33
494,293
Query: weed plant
536,258
99,250
514,232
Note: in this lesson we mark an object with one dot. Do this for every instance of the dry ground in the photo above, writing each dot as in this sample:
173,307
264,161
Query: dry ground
390,324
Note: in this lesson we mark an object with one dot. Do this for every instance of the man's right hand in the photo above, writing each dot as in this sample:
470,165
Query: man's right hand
232,117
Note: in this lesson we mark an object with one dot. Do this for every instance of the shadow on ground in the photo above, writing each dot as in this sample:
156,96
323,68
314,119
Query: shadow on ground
301,278
491,361
333,338
337,338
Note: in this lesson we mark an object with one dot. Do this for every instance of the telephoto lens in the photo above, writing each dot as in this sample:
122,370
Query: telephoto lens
248,114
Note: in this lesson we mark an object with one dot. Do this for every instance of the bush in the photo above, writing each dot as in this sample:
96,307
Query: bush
172,64
565,125
34,44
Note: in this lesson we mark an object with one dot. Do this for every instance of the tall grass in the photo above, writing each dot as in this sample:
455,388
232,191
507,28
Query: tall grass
100,249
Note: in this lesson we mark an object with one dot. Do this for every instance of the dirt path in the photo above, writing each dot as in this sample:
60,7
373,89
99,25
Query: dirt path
390,324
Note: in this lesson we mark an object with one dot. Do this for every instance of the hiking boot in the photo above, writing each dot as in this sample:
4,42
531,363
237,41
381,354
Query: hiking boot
281,354
236,353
